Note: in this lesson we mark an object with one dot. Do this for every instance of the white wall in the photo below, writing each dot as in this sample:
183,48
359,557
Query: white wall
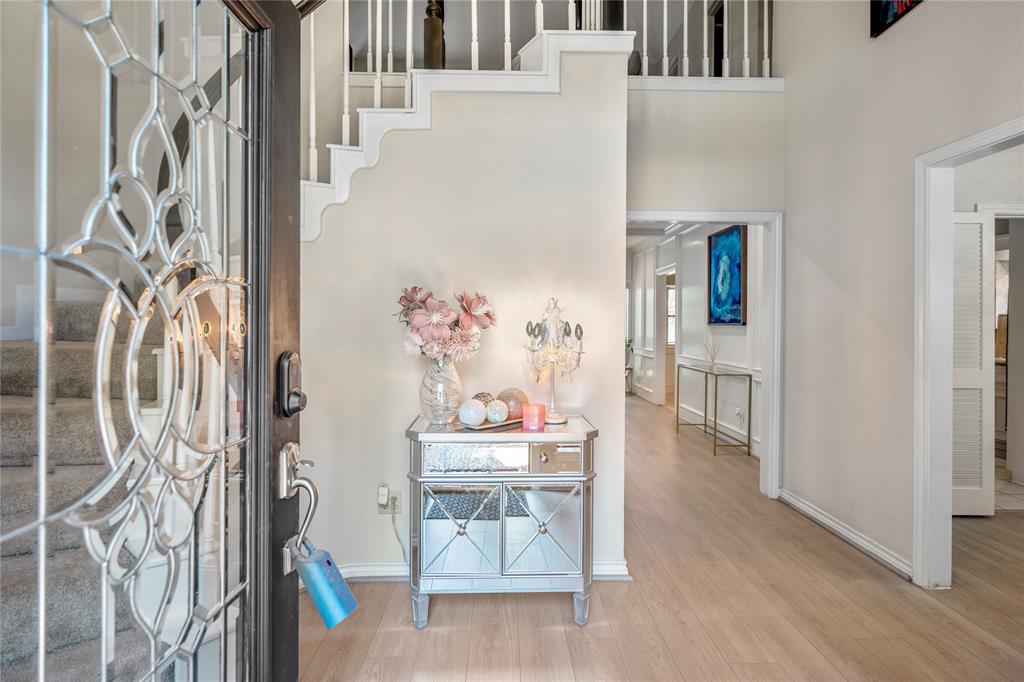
738,346
488,200
705,150
858,110
994,179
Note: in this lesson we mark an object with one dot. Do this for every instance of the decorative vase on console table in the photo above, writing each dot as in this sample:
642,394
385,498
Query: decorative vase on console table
444,335
440,391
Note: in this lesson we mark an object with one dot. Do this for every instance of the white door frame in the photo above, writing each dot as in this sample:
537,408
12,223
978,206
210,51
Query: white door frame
771,386
932,558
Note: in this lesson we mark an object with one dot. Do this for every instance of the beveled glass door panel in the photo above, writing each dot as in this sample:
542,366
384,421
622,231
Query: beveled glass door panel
461,529
127,335
543,528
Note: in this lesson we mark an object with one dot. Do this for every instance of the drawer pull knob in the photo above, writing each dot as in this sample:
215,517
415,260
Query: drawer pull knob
462,529
543,458
542,529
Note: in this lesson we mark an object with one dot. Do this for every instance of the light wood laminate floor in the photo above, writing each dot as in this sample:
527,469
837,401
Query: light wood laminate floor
727,585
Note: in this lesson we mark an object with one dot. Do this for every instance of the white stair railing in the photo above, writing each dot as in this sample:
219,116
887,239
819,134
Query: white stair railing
589,15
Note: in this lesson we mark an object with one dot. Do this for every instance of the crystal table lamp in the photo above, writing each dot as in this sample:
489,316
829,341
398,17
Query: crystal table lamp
555,345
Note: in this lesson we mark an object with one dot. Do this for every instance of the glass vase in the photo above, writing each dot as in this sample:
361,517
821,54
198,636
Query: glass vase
440,392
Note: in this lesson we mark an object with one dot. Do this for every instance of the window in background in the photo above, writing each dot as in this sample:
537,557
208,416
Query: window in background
629,325
670,337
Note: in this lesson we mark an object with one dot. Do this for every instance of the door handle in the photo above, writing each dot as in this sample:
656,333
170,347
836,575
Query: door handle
288,465
290,482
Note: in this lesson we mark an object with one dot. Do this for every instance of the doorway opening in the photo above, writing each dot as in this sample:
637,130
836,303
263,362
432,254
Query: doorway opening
955,348
667,268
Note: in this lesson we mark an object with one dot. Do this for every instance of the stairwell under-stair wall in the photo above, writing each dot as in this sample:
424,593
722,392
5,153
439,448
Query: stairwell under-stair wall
519,195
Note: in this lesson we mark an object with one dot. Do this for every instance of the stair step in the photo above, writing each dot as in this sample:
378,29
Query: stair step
72,363
64,486
78,321
73,437
81,661
73,591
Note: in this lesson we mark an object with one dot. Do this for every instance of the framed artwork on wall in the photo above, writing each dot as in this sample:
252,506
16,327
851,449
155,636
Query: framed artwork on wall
885,13
727,276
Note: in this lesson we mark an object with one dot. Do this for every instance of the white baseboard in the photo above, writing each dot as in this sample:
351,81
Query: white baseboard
381,570
876,551
645,393
612,570
397,570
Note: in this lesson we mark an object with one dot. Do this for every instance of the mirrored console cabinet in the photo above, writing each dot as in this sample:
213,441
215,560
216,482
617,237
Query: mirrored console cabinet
501,511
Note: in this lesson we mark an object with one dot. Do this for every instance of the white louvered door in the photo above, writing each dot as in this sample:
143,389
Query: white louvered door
973,364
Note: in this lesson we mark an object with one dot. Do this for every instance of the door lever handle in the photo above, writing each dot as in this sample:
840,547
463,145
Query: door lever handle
295,544
288,465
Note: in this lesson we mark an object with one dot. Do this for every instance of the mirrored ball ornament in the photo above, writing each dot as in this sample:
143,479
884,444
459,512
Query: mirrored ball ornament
483,397
497,412
515,399
472,412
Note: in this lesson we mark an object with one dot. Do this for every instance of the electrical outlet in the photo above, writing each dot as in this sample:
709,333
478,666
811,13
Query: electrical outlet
739,413
392,506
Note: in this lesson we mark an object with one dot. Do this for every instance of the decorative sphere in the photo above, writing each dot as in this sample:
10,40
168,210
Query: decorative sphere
483,397
515,399
497,412
472,412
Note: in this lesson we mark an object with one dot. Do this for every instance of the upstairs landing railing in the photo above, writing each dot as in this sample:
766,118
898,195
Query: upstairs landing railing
701,34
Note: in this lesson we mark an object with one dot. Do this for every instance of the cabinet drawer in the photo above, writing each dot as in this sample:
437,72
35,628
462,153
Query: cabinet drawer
475,458
556,458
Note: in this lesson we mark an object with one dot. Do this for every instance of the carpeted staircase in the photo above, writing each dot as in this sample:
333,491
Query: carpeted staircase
75,466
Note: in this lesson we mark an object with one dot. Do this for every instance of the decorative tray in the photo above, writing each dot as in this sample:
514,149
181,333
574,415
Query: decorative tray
487,426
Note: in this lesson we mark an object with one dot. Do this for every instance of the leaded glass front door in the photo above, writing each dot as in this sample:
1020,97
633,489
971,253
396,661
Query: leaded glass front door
131,415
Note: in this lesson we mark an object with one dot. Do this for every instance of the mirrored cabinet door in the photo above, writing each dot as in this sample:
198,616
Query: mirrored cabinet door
543,528
461,531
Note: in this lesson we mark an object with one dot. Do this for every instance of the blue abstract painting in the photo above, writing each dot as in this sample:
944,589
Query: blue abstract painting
727,276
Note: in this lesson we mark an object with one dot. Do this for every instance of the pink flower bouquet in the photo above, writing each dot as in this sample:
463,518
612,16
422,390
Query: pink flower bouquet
436,330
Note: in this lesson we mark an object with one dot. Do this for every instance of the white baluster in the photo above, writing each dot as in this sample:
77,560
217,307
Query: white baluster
705,63
599,13
664,37
585,24
643,61
624,15
378,82
538,16
369,36
572,15
746,38
474,47
391,36
409,58
766,64
312,99
725,38
346,120
508,35
686,37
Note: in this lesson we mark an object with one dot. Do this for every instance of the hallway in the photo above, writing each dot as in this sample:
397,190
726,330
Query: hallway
727,585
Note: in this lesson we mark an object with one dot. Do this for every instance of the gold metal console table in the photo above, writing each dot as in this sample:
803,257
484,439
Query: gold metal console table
716,371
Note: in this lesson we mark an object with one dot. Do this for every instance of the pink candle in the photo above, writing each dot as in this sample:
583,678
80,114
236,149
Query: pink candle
533,416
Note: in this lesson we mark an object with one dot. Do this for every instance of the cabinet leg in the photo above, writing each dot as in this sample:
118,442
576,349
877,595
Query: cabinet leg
420,609
581,607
